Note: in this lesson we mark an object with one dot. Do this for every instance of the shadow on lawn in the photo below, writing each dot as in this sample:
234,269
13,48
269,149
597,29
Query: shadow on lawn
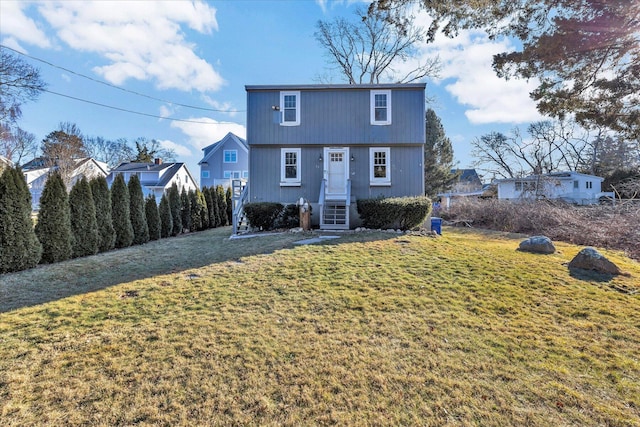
47,283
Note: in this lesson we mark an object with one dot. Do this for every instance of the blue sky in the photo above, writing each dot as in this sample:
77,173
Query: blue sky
203,54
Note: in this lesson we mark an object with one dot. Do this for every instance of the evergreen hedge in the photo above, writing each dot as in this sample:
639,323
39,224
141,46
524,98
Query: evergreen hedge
104,218
222,206
84,226
166,220
19,246
176,209
136,211
121,215
153,217
229,210
399,212
263,215
209,202
54,223
185,211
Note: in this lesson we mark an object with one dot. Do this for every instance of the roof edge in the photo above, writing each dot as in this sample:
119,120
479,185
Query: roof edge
336,86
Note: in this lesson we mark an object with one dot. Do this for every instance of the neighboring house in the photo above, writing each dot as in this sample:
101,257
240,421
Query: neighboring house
468,181
36,173
223,161
334,144
157,177
572,187
5,163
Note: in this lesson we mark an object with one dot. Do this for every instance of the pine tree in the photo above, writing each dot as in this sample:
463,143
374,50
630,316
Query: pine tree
209,201
166,220
176,209
204,209
229,206
84,226
104,218
185,211
54,223
222,206
120,211
19,246
136,210
153,217
198,210
438,157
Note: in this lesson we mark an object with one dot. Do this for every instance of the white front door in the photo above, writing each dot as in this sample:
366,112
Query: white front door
337,170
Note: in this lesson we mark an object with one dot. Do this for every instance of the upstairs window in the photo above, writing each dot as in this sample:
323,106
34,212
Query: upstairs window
379,172
290,166
380,107
231,156
205,174
290,108
576,184
589,185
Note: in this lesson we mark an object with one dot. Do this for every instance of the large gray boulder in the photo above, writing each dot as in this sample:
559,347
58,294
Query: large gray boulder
591,259
537,245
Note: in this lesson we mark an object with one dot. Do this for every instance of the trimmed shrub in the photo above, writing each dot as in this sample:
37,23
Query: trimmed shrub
84,226
210,212
120,206
289,217
54,224
166,220
19,246
185,210
176,209
153,217
227,198
216,206
222,206
398,212
263,215
136,210
102,202
199,214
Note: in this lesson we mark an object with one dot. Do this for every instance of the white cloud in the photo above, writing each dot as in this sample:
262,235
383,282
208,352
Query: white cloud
141,39
17,27
180,150
203,134
224,107
467,74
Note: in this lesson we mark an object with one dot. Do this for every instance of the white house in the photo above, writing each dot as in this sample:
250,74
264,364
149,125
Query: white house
5,163
155,178
572,187
36,174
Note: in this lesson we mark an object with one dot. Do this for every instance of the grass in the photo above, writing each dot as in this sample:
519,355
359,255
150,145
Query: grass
368,329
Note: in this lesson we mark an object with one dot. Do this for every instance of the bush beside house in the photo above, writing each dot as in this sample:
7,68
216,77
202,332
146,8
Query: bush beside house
54,222
398,212
84,227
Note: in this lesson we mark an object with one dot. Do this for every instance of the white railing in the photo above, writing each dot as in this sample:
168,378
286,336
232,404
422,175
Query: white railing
239,198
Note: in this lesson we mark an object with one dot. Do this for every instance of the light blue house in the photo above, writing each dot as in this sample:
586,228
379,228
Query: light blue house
334,144
224,161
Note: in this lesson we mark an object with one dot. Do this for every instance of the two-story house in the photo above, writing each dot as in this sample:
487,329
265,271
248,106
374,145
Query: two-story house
334,144
224,161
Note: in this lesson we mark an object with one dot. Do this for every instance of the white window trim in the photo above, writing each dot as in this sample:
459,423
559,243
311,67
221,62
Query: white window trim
372,107
224,156
290,182
373,181
205,174
226,174
297,95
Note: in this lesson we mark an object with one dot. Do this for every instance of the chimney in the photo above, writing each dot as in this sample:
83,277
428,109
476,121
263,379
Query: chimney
157,161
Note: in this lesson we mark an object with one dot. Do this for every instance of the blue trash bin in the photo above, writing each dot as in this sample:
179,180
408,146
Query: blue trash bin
436,225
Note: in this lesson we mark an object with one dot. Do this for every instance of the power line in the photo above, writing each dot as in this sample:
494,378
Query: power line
128,111
120,88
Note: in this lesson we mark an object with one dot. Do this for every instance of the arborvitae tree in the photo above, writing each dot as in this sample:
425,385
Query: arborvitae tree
121,214
54,224
229,206
438,157
166,220
185,211
209,201
222,205
176,209
153,217
19,246
136,210
198,210
104,219
204,209
84,226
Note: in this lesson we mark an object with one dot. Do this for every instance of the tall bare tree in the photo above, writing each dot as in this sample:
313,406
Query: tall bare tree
371,49
62,147
19,83
16,144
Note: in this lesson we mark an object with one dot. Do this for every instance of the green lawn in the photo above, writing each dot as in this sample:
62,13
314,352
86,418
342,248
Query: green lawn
367,329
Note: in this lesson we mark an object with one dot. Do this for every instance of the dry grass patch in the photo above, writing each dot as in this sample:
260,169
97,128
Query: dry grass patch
460,330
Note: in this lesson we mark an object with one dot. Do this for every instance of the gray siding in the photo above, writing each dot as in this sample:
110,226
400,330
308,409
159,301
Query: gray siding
217,167
336,117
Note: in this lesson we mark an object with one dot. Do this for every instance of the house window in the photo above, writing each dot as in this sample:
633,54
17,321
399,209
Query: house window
518,185
236,174
380,107
245,174
205,174
589,185
231,156
290,108
379,173
227,174
290,166
576,184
